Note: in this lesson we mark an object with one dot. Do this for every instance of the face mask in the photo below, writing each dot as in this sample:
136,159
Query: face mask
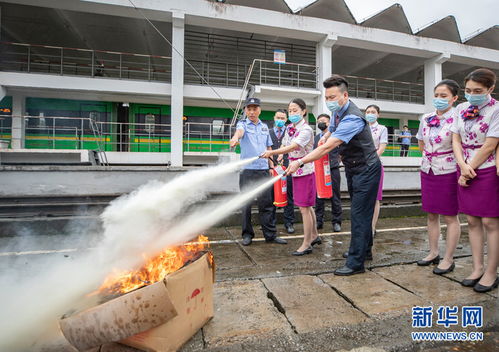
295,118
371,118
440,104
333,106
322,126
279,123
476,99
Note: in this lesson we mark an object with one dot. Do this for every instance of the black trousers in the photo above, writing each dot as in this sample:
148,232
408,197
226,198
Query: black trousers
404,149
336,211
266,209
289,210
363,189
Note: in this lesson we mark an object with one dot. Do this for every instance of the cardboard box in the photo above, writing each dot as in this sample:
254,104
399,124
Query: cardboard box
159,317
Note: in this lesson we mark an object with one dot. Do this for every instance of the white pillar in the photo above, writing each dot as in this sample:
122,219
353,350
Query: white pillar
3,92
177,98
18,126
324,63
432,76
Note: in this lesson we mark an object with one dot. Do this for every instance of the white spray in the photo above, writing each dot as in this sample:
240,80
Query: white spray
146,221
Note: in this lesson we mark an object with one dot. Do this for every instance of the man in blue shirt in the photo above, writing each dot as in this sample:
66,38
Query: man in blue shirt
253,136
405,142
350,131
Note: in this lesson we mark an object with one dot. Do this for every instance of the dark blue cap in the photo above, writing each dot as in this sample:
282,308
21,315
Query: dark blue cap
252,101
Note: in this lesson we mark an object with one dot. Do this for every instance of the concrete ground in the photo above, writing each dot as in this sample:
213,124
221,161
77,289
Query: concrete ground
267,300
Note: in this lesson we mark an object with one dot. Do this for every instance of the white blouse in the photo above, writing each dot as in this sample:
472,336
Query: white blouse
474,131
303,135
379,133
437,154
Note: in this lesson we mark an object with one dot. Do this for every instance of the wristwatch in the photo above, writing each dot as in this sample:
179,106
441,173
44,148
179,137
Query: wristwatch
300,162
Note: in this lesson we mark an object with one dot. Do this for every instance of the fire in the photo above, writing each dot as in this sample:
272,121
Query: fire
155,268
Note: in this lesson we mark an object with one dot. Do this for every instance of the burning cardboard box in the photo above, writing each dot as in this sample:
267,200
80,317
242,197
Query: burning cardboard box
159,317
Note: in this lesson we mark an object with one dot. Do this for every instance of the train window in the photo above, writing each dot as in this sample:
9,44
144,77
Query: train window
218,127
150,121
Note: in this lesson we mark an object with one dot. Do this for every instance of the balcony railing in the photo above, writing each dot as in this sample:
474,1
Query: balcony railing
83,62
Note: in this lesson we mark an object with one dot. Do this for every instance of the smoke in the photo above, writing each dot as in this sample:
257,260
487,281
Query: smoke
145,221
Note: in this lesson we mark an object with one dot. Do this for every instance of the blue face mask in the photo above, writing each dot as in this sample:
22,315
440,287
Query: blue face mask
333,106
371,118
476,99
294,118
440,103
279,123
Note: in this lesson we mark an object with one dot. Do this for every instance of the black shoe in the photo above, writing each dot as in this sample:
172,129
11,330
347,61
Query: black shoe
346,271
318,240
320,226
336,227
482,288
289,228
470,282
435,260
277,240
306,251
246,240
439,271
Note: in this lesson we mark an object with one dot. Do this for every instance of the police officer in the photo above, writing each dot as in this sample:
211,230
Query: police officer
277,134
334,164
254,138
350,131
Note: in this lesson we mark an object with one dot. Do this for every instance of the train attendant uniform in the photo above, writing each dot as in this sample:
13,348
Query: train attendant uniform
304,189
380,136
474,125
438,165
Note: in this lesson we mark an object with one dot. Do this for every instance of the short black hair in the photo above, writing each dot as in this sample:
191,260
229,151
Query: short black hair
451,85
336,81
301,103
376,107
281,110
405,126
323,115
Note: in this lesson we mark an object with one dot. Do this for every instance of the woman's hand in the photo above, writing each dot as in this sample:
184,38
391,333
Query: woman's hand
267,154
462,181
467,171
295,165
279,158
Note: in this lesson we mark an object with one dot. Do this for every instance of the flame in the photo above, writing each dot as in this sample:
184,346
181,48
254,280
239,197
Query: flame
155,268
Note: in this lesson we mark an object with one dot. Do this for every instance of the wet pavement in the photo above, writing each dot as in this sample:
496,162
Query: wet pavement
267,300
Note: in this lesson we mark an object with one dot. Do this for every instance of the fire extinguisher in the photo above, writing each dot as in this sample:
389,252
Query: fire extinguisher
323,177
280,187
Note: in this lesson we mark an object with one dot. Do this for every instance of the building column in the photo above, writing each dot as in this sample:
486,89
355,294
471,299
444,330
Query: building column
3,92
18,125
177,97
432,76
324,63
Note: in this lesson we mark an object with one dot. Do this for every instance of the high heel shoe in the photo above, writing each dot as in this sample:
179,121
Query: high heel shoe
439,271
470,282
305,251
435,260
483,289
317,240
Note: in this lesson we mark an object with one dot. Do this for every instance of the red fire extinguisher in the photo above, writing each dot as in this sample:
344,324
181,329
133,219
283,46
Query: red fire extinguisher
323,177
280,187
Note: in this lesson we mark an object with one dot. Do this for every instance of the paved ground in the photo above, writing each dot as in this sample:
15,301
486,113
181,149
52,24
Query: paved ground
268,300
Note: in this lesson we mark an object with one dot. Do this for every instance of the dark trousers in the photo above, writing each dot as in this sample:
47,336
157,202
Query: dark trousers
404,149
336,210
363,189
289,210
266,209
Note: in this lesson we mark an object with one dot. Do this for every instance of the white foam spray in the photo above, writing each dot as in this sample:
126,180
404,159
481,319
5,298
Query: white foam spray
146,221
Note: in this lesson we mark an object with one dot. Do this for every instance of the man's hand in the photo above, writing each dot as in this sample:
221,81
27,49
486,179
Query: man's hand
234,141
266,154
295,165
467,171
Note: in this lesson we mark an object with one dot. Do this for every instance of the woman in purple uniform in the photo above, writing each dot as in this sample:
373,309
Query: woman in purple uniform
475,140
439,175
